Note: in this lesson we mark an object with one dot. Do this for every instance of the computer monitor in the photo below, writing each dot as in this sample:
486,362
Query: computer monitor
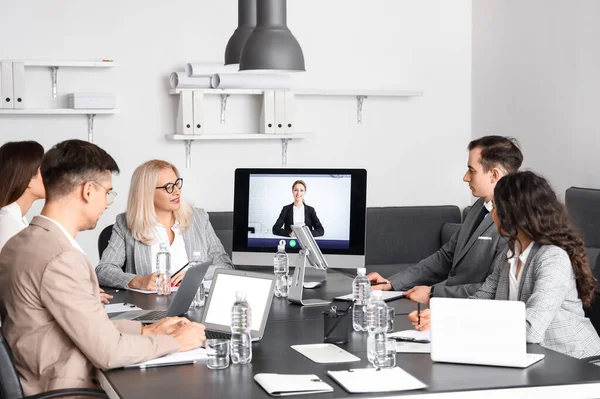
334,209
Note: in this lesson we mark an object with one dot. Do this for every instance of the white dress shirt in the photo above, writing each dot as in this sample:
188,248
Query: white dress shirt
299,214
489,206
74,243
177,249
11,222
514,280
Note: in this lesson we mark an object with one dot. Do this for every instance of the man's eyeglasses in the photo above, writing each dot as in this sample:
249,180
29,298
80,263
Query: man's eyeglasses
170,187
111,195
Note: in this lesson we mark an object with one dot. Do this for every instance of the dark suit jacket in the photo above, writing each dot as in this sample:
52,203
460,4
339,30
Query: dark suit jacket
461,266
283,225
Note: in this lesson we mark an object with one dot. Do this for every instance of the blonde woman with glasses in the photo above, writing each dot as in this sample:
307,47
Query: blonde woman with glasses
156,213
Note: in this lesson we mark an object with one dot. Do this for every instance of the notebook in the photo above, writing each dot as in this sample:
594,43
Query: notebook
291,384
376,380
173,359
387,296
325,353
225,283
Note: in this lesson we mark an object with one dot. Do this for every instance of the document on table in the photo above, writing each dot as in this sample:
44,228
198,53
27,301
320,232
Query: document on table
291,384
174,359
376,380
325,353
173,289
405,343
120,307
387,296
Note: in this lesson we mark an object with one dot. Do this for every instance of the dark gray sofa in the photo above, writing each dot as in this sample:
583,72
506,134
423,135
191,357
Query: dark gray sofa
396,237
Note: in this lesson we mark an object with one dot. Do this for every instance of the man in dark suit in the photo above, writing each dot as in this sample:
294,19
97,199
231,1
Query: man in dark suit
298,212
459,268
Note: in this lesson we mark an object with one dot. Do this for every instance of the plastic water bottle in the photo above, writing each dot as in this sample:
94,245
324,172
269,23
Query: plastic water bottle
360,291
241,322
163,270
376,315
199,299
282,268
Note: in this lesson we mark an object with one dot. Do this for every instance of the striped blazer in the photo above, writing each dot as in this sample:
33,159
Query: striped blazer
554,312
123,249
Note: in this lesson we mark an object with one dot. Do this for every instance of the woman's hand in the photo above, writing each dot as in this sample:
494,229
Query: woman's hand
104,297
176,280
147,283
165,326
421,323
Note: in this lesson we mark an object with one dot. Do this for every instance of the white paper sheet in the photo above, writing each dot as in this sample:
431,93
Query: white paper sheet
376,380
291,384
325,353
173,289
387,296
412,334
412,347
120,307
174,358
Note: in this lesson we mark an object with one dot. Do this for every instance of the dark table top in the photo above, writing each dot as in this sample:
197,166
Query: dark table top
290,324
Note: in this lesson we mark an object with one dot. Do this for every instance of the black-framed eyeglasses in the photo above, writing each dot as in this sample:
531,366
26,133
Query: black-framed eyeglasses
170,187
111,195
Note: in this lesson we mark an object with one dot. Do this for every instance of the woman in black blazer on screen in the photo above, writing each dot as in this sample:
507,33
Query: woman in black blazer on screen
283,225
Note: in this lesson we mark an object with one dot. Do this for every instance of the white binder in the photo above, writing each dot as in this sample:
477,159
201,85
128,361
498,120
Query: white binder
289,125
18,72
267,118
7,84
279,111
291,384
198,111
185,114
376,380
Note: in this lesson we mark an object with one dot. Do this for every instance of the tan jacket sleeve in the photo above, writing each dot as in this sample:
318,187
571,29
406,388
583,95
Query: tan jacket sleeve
67,291
128,326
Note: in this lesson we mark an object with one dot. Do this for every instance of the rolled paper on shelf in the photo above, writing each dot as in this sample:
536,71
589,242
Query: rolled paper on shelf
250,81
179,80
208,69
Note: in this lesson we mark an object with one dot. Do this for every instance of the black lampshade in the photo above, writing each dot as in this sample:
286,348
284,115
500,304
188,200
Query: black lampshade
246,24
271,46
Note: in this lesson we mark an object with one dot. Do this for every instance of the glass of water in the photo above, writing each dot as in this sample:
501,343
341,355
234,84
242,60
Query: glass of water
391,314
217,352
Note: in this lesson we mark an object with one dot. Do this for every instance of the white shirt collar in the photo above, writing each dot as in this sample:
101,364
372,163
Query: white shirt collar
299,207
521,255
488,205
66,233
15,210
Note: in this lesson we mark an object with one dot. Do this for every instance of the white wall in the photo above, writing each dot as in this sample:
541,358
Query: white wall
536,77
414,150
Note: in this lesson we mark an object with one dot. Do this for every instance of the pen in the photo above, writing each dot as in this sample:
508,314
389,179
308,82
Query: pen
379,283
418,314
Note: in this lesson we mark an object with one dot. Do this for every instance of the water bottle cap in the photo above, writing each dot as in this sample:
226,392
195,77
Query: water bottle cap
377,294
361,270
240,295
281,246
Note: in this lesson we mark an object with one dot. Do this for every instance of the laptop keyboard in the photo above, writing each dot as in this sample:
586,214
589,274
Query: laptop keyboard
217,334
154,315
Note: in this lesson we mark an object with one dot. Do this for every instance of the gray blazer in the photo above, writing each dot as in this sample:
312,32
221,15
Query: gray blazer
123,249
460,267
554,313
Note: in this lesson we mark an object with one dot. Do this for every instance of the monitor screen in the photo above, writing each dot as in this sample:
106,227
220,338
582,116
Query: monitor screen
331,202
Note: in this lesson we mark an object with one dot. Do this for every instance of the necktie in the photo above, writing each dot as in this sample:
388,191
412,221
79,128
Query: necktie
479,219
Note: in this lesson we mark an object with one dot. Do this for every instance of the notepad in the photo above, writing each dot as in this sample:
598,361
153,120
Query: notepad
174,359
291,384
376,380
412,334
325,353
120,307
387,296
173,289
412,347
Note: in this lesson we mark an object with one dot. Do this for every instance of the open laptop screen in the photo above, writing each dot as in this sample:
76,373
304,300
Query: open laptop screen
222,296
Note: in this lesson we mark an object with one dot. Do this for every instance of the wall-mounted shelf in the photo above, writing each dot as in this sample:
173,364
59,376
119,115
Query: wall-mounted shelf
69,64
91,114
189,138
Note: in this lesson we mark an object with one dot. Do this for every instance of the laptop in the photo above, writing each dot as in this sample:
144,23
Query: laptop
485,332
181,302
217,309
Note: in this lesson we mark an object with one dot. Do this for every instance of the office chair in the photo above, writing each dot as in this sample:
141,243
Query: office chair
103,239
10,385
593,312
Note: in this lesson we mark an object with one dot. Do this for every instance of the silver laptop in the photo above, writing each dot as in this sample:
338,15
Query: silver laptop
486,332
181,302
217,310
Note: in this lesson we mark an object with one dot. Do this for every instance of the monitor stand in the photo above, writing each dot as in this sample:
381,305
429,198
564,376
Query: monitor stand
297,288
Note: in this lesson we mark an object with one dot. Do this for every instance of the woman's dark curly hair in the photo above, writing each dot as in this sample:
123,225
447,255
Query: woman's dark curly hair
525,201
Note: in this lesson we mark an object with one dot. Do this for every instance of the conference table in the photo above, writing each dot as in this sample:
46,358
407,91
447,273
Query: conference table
288,324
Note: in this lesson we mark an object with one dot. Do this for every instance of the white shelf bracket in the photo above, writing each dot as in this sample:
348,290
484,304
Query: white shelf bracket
188,154
54,71
284,148
91,127
359,108
224,98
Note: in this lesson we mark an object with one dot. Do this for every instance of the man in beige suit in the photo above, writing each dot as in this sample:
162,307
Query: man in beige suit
52,316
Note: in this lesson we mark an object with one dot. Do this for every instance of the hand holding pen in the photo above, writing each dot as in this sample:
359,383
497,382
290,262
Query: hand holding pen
378,282
420,319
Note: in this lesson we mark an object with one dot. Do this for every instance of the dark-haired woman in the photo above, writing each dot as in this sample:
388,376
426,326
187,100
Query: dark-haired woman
21,184
544,266
298,212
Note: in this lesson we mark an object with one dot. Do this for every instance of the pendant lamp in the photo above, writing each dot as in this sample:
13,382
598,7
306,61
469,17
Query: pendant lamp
246,24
